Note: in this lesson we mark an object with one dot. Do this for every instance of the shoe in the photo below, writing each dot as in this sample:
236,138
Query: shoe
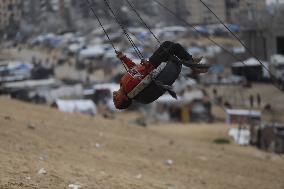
197,60
191,63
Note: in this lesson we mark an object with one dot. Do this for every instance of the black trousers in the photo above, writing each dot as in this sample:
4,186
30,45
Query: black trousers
166,51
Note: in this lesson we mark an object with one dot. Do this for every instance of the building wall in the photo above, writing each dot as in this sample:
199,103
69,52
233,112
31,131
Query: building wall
199,14
10,12
178,7
261,32
248,10
257,5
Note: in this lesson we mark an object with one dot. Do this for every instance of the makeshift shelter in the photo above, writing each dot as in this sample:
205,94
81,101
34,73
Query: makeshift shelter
251,69
191,107
11,71
276,68
240,136
50,95
104,91
242,116
101,94
76,106
29,90
271,137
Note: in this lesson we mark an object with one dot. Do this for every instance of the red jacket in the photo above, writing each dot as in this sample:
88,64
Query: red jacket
135,74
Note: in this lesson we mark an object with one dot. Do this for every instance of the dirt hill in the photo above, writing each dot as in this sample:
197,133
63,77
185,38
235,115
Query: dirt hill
112,154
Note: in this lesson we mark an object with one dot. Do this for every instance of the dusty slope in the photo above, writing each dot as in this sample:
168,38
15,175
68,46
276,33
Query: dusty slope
130,156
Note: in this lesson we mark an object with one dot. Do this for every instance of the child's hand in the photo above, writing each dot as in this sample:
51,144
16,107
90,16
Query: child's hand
119,54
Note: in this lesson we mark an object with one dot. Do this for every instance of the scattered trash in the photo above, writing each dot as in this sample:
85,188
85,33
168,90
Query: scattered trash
139,121
28,178
169,162
203,158
98,145
108,115
30,126
139,176
42,171
74,186
43,157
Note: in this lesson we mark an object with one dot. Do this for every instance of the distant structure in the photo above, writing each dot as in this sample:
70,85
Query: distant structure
10,16
262,28
199,14
194,11
176,6
46,14
231,5
237,9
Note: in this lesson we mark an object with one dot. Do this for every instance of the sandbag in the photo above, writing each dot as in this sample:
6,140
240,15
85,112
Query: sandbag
167,76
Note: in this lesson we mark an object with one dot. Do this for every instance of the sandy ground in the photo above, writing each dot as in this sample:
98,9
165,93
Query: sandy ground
111,154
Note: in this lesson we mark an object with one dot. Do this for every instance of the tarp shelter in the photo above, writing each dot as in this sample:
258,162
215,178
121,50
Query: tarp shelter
102,93
50,95
91,52
251,69
30,84
111,87
271,137
242,116
77,106
187,108
276,68
14,71
240,136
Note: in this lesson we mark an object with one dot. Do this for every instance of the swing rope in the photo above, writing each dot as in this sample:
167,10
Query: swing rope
223,48
141,20
139,54
238,38
99,21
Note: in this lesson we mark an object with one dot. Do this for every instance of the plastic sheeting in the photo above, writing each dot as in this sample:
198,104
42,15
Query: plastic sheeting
240,136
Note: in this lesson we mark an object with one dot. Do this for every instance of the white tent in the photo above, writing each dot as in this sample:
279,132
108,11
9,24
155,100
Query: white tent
81,106
92,52
254,62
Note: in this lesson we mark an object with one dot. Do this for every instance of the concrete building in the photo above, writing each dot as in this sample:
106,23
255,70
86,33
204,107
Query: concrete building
264,33
231,5
257,5
248,9
199,14
194,11
178,7
10,14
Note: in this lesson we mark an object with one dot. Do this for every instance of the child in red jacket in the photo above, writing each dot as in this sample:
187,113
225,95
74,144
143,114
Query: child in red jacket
136,73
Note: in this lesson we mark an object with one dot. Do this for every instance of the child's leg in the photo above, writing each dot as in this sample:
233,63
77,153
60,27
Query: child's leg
166,50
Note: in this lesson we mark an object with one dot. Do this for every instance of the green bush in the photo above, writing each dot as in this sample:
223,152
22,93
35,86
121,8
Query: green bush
222,141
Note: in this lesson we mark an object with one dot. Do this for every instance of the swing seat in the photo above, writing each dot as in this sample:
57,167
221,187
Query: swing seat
167,76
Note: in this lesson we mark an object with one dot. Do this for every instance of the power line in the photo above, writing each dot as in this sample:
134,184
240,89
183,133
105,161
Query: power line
193,27
234,56
90,6
141,19
139,54
242,43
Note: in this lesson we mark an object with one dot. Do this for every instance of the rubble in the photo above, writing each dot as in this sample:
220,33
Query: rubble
42,171
169,162
74,186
